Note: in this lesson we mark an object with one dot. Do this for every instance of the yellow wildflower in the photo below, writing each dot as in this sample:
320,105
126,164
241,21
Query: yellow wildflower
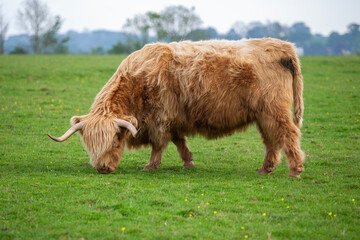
282,199
215,212
190,215
122,229
246,236
264,214
330,213
207,203
186,200
242,228
353,199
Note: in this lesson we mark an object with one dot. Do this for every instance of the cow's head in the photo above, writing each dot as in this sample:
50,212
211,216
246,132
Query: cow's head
103,137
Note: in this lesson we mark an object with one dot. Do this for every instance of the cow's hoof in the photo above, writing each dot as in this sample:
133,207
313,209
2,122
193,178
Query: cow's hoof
150,167
295,173
188,165
263,171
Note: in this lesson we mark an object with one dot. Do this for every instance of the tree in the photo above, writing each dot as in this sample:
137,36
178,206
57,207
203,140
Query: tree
132,44
353,37
18,50
118,48
347,43
202,34
239,29
259,30
256,30
51,43
336,44
139,25
97,51
174,23
299,33
4,25
315,49
276,30
354,28
35,19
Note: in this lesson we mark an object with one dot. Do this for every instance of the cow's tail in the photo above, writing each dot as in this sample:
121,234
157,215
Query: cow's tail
298,94
293,64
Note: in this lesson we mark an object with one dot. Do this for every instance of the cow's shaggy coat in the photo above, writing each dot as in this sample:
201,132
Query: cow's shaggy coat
213,88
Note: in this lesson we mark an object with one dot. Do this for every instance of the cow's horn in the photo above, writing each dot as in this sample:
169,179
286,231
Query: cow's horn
69,132
129,126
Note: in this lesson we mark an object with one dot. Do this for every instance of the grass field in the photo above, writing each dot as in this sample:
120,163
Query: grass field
49,191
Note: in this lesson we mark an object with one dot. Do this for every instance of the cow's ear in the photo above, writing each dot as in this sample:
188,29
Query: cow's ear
76,119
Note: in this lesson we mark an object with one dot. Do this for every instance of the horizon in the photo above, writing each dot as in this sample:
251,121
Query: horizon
326,16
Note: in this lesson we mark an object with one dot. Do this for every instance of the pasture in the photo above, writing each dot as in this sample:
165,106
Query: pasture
49,191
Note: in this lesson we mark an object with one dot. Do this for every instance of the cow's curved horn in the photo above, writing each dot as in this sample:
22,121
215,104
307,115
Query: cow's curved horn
129,126
69,132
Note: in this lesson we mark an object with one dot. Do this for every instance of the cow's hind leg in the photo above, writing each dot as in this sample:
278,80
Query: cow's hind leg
281,134
272,155
184,152
155,158
293,151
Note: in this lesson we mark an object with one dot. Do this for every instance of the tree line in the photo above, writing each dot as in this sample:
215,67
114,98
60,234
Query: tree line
177,23
34,19
173,23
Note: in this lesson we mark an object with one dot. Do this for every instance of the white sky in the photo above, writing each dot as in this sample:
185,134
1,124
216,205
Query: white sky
322,16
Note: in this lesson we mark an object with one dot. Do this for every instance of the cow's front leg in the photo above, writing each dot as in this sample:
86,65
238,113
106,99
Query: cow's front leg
155,158
184,152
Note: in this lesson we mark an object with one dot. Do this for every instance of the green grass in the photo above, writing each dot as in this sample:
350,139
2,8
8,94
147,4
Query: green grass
49,191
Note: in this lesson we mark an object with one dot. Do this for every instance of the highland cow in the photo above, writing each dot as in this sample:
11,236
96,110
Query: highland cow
165,92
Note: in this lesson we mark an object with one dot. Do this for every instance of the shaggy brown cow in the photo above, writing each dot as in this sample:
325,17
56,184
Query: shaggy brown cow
213,88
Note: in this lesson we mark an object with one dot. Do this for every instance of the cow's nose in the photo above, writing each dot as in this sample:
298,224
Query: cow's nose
105,170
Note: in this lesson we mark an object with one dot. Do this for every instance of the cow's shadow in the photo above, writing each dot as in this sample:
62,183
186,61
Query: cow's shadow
135,170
